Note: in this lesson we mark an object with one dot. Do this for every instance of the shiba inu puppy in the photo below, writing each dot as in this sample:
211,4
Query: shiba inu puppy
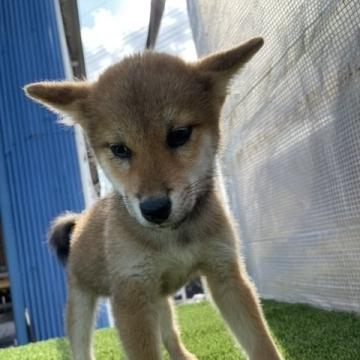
153,122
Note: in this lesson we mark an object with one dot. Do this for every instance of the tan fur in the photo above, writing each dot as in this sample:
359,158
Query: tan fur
114,251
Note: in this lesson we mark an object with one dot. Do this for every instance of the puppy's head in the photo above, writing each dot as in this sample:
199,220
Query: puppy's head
153,122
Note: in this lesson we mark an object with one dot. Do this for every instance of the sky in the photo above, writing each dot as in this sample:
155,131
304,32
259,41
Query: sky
111,29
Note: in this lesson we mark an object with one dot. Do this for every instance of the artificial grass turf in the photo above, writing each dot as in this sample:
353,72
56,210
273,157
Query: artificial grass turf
301,332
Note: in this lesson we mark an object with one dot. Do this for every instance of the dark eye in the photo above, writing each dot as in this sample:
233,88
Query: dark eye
178,137
120,151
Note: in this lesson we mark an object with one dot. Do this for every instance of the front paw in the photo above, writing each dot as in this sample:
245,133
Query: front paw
187,356
266,354
190,357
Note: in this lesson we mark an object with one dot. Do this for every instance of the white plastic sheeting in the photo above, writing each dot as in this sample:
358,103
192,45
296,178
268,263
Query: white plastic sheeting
292,157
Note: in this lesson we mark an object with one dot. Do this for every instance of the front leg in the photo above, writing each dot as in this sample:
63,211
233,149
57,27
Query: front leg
80,314
136,317
238,303
169,332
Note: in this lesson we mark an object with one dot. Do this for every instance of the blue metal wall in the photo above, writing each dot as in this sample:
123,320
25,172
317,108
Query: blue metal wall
39,170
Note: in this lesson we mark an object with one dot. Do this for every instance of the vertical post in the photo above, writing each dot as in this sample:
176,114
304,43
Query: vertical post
11,253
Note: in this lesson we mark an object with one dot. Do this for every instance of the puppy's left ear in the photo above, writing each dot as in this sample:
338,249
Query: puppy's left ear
222,66
65,97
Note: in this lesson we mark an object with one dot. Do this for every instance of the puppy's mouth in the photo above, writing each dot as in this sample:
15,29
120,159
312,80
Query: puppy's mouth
166,225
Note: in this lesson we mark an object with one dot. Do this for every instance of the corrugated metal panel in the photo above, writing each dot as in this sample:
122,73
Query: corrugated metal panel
40,172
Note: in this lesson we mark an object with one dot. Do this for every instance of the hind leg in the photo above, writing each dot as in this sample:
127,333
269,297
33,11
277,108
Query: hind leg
169,332
80,315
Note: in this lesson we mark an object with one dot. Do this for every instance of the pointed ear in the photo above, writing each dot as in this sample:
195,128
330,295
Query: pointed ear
222,66
64,97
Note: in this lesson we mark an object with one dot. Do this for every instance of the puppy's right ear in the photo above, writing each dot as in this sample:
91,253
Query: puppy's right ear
67,97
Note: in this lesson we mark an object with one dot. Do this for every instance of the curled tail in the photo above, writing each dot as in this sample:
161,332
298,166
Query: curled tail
60,235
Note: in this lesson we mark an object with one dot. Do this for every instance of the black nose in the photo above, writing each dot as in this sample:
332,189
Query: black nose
156,209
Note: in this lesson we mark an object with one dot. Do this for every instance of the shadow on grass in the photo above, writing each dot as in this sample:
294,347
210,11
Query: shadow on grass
62,349
305,333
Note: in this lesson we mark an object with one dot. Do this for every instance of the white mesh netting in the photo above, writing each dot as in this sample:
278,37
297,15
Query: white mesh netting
292,160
